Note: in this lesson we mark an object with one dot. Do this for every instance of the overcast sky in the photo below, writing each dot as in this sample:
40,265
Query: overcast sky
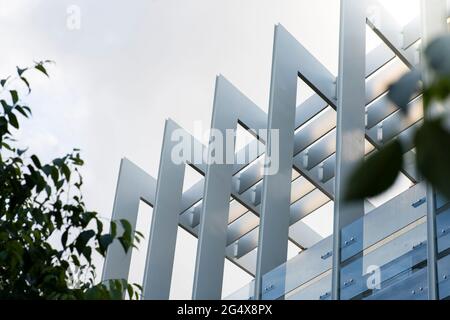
132,64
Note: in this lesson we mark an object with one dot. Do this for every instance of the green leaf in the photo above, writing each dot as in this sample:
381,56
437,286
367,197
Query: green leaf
21,71
20,152
36,161
54,174
87,252
82,240
126,226
125,242
47,169
75,260
433,155
116,289
59,184
40,182
439,90
113,229
6,107
22,111
13,120
126,238
48,190
99,226
7,146
104,242
58,162
64,238
3,81
139,236
26,83
401,92
437,54
27,109
41,68
66,171
14,96
138,286
130,291
376,174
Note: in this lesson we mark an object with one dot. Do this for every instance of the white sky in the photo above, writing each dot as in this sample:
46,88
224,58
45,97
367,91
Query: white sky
135,63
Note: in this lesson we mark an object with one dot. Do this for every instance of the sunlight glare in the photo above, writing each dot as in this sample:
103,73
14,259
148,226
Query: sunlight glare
404,11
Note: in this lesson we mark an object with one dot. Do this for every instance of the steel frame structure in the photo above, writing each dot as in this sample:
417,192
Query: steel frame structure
320,141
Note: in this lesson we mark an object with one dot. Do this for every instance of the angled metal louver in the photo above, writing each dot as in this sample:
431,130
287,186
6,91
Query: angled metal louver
264,208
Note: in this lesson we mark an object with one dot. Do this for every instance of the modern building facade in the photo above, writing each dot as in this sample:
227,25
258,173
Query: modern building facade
399,250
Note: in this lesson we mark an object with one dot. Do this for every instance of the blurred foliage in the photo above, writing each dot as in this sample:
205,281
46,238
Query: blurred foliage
47,236
432,140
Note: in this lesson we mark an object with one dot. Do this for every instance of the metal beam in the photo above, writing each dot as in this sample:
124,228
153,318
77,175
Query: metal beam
308,140
241,179
350,122
133,185
275,212
304,270
326,121
434,23
387,28
230,107
164,225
